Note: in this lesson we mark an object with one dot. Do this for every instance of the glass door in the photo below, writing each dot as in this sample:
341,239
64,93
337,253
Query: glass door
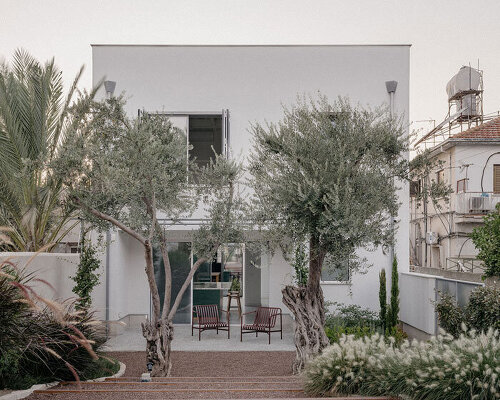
180,263
214,279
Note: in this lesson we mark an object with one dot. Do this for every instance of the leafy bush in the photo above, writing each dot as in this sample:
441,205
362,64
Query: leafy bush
482,311
41,343
351,320
486,238
352,315
442,368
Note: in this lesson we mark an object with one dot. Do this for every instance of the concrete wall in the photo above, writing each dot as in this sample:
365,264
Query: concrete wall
57,269
252,82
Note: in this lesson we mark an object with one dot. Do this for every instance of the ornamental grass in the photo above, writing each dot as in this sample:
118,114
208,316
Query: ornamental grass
442,368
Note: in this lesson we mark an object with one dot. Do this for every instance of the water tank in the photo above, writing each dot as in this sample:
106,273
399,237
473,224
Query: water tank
467,79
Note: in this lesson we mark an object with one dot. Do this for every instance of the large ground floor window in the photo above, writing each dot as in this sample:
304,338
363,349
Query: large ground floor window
213,280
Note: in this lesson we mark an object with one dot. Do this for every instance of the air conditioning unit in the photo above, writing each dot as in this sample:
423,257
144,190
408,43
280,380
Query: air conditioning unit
478,204
431,238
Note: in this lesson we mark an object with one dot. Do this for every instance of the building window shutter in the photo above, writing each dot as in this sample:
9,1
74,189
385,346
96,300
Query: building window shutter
496,178
225,132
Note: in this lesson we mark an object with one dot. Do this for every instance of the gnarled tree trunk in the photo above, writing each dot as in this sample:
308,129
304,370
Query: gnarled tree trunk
159,337
307,308
307,305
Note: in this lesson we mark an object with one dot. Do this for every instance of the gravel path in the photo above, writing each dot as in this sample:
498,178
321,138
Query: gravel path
204,363
233,369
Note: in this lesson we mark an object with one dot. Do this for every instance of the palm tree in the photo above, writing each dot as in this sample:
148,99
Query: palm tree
34,117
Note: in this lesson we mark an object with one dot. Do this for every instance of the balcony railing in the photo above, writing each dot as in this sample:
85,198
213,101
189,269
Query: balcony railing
476,202
464,264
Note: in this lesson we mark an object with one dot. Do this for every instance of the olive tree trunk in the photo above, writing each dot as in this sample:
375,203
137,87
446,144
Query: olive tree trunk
159,337
307,306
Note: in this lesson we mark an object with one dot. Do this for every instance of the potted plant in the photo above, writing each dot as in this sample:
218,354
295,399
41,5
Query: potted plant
235,285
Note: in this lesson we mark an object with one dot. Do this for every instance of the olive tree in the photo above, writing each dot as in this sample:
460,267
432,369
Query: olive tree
325,174
127,174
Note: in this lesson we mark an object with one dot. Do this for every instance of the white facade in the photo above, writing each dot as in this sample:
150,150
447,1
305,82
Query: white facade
468,166
252,83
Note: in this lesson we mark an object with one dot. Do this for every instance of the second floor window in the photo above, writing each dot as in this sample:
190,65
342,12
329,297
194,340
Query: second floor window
496,178
440,176
205,135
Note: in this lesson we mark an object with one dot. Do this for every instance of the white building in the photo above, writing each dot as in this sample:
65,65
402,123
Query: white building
471,165
214,93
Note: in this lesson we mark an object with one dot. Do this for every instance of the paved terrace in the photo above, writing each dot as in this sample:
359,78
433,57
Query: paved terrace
132,340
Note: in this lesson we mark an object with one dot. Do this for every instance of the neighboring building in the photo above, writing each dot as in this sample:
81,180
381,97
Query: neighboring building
468,146
214,93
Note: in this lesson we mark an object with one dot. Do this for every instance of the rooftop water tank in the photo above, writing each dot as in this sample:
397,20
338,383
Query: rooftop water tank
466,80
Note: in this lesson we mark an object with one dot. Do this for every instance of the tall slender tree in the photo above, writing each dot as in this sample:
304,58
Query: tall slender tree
382,296
126,174
324,174
34,118
393,311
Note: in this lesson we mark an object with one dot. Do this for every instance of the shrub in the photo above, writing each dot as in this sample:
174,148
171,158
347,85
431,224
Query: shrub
351,320
40,343
482,311
86,277
352,315
486,238
442,368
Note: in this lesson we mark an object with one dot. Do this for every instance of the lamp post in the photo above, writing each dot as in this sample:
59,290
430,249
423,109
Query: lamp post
391,87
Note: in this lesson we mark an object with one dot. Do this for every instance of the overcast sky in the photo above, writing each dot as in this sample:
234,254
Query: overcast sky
444,34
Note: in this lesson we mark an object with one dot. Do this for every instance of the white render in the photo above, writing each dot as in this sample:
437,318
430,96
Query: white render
252,82
462,158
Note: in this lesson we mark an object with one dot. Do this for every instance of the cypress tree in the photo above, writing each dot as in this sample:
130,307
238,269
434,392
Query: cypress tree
382,296
393,313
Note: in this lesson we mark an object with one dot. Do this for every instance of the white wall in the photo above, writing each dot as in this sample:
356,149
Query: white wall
477,155
252,82
417,292
128,285
57,269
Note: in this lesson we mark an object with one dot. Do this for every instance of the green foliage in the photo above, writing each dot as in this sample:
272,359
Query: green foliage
299,264
481,313
235,285
122,172
353,315
34,120
86,277
442,368
486,238
350,320
40,344
392,318
422,167
382,296
103,366
316,176
335,332
451,316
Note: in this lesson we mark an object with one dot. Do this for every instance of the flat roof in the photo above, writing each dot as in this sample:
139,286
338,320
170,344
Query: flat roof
249,45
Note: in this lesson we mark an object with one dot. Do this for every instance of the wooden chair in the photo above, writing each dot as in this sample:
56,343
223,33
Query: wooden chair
265,321
208,318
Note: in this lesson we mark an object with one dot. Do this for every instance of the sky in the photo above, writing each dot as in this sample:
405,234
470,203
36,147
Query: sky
444,34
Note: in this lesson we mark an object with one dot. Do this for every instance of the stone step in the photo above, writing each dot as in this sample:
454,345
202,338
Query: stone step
286,378
200,385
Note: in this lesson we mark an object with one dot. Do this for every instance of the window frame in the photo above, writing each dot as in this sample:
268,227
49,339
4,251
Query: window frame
496,175
330,282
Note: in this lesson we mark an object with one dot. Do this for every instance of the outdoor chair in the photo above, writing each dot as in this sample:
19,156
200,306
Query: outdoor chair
208,318
265,321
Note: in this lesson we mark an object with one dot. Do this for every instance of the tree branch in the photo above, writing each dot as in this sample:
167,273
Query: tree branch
110,219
